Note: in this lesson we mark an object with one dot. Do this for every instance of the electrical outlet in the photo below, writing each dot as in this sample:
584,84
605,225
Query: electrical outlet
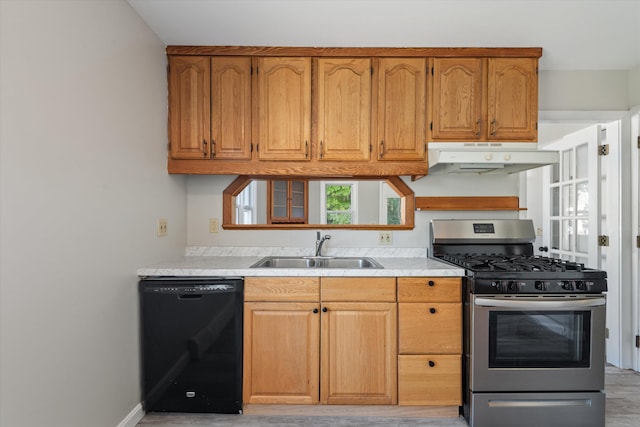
163,227
214,225
385,238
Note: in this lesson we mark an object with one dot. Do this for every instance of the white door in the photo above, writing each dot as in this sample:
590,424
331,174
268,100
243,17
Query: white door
581,203
635,227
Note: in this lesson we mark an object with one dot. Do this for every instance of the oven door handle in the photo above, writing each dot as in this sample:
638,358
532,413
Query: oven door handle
535,303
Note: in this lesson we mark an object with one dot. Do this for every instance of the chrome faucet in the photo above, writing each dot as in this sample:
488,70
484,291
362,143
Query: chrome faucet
320,241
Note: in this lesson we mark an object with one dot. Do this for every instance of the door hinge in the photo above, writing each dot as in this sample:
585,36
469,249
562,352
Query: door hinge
603,149
603,240
637,341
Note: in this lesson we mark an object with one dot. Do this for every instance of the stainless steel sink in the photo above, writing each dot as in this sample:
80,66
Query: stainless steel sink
316,262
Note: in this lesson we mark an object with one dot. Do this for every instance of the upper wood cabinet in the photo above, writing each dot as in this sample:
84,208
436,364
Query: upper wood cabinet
485,99
189,106
284,108
344,109
231,108
210,107
402,109
512,97
349,112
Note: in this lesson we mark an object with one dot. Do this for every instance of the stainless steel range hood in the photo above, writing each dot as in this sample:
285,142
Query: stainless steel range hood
487,157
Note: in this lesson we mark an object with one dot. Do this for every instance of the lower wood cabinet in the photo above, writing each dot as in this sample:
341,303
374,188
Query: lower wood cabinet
301,350
281,352
433,379
353,341
430,341
358,347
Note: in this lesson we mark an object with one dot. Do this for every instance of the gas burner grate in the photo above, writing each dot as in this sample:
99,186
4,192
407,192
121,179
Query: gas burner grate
525,263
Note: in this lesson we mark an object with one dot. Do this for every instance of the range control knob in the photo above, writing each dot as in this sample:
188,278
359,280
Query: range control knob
512,286
567,286
539,285
581,285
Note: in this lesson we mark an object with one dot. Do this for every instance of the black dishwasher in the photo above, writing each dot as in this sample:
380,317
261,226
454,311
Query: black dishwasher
191,334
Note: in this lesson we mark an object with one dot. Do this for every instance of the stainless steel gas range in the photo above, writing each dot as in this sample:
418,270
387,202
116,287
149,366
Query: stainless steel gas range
534,328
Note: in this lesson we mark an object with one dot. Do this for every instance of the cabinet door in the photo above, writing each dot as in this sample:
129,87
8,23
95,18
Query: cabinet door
231,108
281,351
402,109
284,108
344,109
287,201
430,328
189,107
513,99
430,380
359,353
457,99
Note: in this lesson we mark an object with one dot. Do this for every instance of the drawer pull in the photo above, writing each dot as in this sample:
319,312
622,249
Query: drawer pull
432,283
432,310
432,363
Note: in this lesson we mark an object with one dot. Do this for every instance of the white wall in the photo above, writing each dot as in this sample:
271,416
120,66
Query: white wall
83,180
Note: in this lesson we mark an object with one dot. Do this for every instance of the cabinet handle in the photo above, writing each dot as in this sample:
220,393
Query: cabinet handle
432,310
493,127
478,127
382,149
213,148
321,150
306,149
431,283
432,363
205,152
315,310
325,309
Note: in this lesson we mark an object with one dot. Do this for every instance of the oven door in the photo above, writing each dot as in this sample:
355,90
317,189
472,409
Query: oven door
537,343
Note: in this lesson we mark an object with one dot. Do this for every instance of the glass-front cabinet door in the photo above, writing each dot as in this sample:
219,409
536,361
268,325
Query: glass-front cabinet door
287,201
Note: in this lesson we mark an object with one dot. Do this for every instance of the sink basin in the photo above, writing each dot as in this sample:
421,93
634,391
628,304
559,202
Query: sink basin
316,262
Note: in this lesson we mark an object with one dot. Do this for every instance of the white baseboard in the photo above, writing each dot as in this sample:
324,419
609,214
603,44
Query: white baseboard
133,417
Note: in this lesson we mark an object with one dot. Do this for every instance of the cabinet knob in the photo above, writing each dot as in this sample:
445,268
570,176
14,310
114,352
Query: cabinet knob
315,310
325,309
432,363
543,249
431,283
432,310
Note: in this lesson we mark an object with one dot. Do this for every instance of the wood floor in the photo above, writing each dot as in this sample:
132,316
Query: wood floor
622,388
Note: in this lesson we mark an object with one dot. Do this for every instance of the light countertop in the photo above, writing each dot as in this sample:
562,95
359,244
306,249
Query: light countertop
228,262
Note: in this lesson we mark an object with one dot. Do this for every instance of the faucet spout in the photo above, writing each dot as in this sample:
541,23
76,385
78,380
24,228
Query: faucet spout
320,242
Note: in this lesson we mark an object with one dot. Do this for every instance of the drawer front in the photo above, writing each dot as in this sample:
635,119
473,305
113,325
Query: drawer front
430,328
429,289
302,289
430,380
359,289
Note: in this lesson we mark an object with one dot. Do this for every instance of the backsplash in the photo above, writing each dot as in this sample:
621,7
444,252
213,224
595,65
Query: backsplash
388,252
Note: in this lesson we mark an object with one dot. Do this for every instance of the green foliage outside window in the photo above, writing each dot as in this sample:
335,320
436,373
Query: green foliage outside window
393,210
338,201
